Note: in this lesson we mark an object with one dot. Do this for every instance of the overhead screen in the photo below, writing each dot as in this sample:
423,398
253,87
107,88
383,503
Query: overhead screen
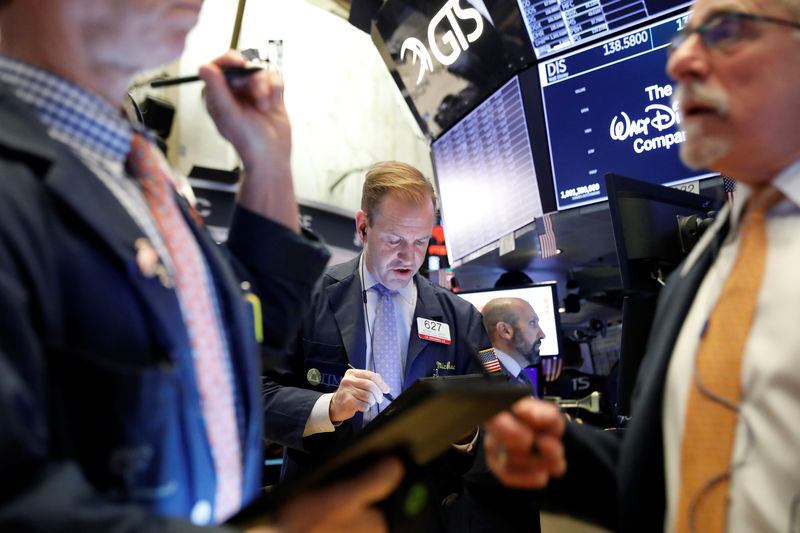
542,298
558,25
486,176
513,138
607,109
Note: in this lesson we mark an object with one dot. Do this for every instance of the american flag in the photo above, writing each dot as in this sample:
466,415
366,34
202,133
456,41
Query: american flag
729,186
551,368
547,237
489,360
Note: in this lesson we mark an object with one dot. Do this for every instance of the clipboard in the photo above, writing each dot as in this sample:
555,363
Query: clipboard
418,426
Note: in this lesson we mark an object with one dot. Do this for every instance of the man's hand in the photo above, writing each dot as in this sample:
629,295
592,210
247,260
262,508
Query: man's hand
524,450
343,507
358,391
250,113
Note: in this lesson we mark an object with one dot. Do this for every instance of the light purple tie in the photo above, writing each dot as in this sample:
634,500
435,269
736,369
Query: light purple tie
385,350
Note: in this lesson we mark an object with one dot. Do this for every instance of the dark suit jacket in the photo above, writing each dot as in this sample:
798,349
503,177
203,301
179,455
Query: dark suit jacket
616,478
100,423
486,505
334,334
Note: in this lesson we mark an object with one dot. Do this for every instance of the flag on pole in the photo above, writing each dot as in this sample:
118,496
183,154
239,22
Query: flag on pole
489,360
547,237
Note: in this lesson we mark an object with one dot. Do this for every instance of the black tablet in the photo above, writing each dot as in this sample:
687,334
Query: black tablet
419,425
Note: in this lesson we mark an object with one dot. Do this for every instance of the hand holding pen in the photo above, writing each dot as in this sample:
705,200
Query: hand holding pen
385,394
358,391
250,113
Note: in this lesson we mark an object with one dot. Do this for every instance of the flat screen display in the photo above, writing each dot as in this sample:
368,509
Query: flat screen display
543,299
607,109
558,25
485,174
447,56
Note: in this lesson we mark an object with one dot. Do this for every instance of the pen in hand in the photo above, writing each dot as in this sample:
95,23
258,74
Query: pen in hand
229,72
385,394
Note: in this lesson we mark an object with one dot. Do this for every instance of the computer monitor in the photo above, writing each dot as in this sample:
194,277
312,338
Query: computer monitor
652,237
488,173
650,229
555,27
544,300
608,108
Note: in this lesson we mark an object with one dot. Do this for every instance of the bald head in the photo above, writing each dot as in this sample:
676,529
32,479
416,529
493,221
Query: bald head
513,327
500,310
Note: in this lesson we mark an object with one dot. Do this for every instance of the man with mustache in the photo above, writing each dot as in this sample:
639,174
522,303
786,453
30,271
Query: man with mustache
712,443
346,361
129,362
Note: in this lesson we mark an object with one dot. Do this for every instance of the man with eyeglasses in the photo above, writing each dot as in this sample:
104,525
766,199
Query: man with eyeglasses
712,443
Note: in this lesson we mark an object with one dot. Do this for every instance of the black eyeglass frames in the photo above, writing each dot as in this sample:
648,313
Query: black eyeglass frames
722,29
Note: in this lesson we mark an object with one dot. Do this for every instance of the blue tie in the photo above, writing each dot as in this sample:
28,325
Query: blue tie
385,350
525,379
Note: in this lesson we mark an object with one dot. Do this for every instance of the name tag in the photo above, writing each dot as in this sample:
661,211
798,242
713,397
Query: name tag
432,330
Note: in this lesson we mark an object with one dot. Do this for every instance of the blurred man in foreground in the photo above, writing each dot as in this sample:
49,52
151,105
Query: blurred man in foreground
129,375
712,444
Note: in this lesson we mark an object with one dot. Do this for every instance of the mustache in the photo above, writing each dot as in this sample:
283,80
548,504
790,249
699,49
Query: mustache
699,94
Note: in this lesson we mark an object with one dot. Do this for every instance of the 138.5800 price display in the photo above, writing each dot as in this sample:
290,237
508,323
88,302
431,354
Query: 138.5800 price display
626,42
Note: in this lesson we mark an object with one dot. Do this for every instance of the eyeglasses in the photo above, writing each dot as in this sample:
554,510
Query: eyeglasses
722,29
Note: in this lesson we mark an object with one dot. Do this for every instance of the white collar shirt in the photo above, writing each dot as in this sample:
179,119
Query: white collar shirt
765,490
510,364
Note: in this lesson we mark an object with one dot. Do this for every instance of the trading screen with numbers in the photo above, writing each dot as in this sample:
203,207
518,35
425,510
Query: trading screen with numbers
559,25
608,109
485,174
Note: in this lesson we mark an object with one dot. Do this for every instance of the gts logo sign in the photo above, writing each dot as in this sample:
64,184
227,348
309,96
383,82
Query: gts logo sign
454,39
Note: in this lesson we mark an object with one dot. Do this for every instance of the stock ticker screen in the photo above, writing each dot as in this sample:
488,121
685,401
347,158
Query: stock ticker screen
558,25
607,108
485,174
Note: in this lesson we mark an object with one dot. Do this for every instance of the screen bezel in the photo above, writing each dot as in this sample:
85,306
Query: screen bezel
519,292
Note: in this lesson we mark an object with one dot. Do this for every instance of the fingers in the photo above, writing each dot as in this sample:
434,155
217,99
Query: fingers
504,435
524,450
344,507
376,383
358,391
544,417
219,98
265,89
262,91
249,112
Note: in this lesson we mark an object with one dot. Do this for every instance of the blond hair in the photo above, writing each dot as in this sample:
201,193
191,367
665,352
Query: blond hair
393,177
